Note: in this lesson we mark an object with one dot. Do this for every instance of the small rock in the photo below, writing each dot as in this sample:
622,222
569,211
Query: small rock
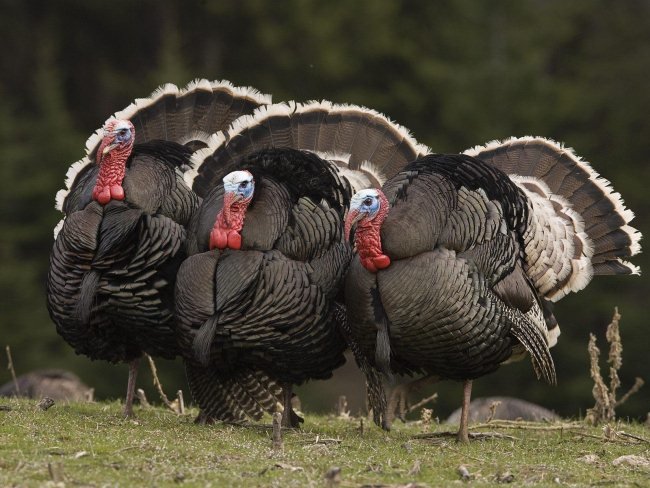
333,476
464,473
589,459
506,477
632,460
45,403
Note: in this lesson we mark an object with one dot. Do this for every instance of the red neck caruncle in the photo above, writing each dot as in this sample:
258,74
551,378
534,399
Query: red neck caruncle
368,238
226,232
112,168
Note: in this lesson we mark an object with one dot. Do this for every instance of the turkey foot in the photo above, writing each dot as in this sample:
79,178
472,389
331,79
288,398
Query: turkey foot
289,417
104,194
398,402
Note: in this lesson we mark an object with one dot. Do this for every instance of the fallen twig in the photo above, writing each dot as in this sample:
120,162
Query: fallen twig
181,402
518,424
10,367
142,397
157,384
632,436
277,431
472,435
422,402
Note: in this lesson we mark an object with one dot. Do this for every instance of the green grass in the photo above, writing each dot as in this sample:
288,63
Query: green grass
91,445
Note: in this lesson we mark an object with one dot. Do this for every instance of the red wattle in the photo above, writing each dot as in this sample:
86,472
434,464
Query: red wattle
234,239
117,192
381,262
369,265
102,194
218,239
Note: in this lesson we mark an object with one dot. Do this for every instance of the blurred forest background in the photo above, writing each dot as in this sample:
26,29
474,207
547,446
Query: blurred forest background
456,72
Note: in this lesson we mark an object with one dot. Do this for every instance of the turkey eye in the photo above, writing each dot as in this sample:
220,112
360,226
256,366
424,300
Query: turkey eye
243,184
367,202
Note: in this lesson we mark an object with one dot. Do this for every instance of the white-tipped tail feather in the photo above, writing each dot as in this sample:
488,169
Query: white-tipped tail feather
578,225
376,147
199,110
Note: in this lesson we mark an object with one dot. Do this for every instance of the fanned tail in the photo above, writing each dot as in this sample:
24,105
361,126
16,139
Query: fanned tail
365,145
233,396
188,116
578,225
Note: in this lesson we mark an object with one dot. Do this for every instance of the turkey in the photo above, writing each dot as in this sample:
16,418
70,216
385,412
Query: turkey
258,299
118,248
460,258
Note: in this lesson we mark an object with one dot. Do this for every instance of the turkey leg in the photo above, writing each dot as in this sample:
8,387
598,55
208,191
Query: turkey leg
398,403
130,388
289,417
463,435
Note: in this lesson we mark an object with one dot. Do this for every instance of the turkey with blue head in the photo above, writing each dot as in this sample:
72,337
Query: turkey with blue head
260,296
118,248
460,258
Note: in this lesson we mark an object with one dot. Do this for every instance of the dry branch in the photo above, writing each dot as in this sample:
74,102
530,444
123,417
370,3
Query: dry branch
277,431
422,402
10,367
605,408
157,384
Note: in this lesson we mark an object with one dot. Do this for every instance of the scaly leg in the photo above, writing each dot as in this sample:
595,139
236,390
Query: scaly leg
398,400
289,417
130,389
463,434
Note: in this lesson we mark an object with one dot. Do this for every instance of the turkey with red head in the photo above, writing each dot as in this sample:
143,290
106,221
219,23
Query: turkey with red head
126,205
461,256
259,296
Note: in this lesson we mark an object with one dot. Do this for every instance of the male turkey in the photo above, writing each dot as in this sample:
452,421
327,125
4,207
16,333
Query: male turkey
258,299
460,257
117,250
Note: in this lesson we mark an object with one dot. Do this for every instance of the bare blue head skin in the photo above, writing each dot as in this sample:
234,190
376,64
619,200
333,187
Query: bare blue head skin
366,203
239,184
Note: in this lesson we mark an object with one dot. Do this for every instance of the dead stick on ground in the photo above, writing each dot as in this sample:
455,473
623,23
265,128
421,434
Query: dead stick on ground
632,436
156,383
142,397
10,367
526,426
421,403
277,431
181,402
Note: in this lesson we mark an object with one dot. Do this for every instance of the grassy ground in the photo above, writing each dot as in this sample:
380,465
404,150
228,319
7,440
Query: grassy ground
91,445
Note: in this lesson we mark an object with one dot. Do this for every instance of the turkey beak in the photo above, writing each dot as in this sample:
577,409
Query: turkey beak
353,217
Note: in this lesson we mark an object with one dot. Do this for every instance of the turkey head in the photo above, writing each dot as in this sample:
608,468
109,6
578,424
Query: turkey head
368,209
112,156
238,193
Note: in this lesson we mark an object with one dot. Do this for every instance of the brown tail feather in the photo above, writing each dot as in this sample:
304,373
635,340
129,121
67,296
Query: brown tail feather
578,206
368,147
187,116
